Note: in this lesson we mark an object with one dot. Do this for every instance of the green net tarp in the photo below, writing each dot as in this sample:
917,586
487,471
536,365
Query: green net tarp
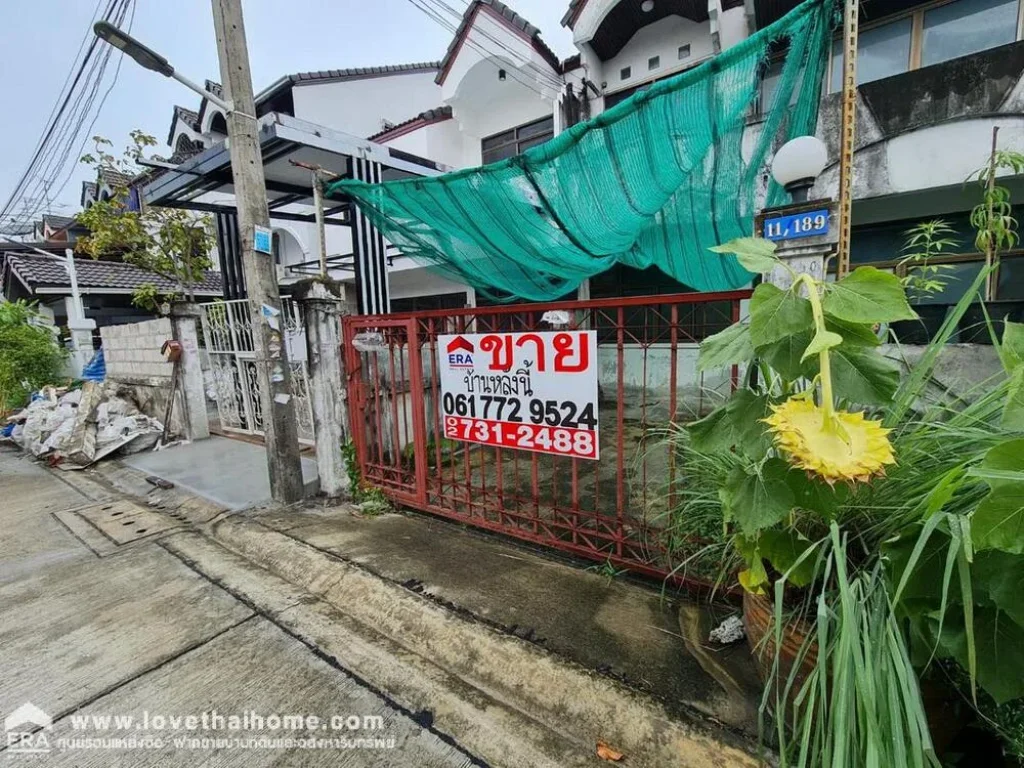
655,180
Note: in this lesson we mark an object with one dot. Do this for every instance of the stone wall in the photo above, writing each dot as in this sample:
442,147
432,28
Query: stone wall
138,370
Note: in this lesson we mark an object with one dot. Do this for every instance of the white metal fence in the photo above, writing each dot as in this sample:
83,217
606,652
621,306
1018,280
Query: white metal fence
227,334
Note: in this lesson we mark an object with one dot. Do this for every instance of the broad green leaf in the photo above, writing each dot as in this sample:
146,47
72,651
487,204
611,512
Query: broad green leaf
1011,351
854,334
1013,409
998,521
999,576
726,348
1000,650
755,501
863,376
921,588
822,340
775,314
782,548
1003,464
784,356
736,424
868,295
815,495
755,254
754,578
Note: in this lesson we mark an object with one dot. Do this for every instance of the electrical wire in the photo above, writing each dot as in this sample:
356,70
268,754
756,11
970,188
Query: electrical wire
452,29
539,72
67,118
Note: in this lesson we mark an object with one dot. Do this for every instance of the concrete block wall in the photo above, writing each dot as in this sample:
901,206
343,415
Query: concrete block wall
133,350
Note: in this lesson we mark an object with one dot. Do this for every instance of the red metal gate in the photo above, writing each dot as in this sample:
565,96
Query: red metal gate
618,510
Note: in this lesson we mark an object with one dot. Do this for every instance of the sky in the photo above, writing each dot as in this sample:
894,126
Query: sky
40,39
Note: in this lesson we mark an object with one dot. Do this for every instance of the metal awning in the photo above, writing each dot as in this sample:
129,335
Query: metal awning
283,138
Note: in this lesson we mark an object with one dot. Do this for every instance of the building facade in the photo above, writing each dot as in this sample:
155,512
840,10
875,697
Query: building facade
935,79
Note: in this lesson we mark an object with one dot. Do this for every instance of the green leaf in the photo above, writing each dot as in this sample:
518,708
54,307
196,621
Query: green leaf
737,424
726,348
755,254
783,548
998,521
854,334
863,376
756,501
868,295
775,314
1011,351
999,576
1013,409
784,356
1000,650
822,340
1003,465
816,496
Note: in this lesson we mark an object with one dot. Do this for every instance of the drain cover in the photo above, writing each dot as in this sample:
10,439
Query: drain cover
126,521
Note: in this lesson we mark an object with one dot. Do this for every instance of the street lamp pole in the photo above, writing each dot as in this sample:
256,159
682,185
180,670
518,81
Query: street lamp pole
272,369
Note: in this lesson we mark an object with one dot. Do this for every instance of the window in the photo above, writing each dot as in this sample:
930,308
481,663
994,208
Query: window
935,33
654,62
625,72
438,301
965,27
881,52
515,141
684,51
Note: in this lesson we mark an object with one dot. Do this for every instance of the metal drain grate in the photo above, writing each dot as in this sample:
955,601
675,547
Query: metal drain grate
125,521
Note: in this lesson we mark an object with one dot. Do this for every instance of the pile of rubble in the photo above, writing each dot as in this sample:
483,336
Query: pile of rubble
79,427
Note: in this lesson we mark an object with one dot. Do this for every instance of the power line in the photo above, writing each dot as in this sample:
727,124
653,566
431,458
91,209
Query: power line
542,74
50,154
447,25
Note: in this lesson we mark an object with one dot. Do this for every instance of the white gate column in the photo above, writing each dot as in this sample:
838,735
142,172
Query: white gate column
322,309
183,326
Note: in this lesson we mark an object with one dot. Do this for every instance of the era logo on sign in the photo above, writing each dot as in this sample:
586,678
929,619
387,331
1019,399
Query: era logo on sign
460,353
26,727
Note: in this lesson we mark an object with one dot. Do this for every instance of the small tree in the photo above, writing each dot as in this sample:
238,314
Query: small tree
30,356
993,217
170,242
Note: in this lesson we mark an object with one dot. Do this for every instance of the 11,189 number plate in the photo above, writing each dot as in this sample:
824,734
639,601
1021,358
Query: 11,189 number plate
531,391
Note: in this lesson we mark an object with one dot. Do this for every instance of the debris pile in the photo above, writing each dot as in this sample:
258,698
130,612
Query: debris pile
79,427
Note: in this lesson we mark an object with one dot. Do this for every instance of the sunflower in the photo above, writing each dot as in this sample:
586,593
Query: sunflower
836,446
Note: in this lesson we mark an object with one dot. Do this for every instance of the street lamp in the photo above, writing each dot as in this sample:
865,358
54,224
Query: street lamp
150,59
798,163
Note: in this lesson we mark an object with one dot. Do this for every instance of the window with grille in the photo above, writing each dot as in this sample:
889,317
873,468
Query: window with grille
515,141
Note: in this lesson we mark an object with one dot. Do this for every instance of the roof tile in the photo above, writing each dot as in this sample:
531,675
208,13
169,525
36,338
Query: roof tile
39,271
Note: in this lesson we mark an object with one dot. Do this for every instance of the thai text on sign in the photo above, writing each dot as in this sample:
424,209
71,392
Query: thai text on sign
532,391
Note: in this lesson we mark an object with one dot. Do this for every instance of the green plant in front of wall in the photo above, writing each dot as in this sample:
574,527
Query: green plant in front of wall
895,528
170,242
30,356
926,242
371,500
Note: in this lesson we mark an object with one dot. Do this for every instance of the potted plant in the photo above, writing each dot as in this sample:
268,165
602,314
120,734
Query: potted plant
879,532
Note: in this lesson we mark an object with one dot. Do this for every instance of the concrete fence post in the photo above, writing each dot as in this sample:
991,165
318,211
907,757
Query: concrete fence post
184,319
321,312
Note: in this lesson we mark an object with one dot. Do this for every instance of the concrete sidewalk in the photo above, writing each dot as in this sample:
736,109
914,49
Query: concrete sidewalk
231,473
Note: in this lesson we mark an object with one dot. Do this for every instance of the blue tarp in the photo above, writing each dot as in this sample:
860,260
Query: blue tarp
96,370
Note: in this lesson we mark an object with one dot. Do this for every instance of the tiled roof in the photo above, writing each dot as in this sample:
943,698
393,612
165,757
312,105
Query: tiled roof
334,75
39,271
187,116
529,31
575,7
435,115
115,178
58,222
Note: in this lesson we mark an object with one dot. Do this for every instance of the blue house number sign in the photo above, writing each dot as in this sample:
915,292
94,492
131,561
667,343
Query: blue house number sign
806,224
262,241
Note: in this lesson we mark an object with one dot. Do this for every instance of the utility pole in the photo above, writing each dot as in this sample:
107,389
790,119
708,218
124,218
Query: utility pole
272,368
847,136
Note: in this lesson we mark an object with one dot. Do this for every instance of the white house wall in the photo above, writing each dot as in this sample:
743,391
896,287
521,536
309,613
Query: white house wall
663,39
442,142
359,106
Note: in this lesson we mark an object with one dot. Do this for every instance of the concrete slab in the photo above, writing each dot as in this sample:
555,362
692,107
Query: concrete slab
231,473
254,668
613,626
125,521
75,629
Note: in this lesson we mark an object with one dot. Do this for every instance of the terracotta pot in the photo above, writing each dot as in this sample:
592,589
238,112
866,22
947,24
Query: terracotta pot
758,619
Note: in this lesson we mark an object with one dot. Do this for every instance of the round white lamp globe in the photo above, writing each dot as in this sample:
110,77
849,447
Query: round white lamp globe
799,162
647,6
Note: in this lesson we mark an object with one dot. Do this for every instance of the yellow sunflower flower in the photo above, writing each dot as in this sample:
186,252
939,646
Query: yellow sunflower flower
840,446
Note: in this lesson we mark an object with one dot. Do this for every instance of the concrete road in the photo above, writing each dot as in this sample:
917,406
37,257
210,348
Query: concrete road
132,658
